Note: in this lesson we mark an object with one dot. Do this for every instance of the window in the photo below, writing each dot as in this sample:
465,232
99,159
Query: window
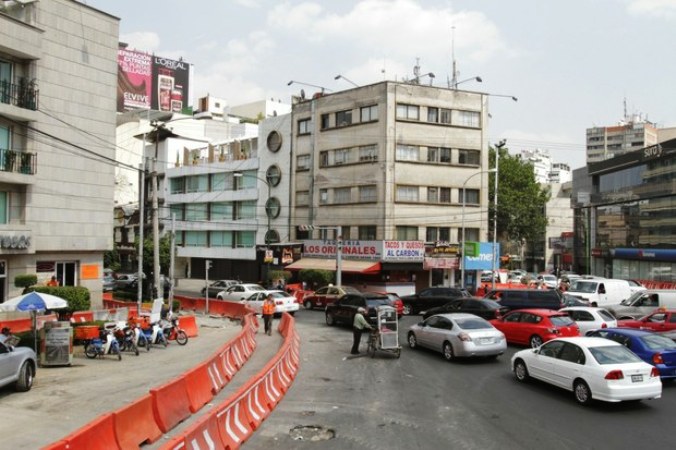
197,183
471,196
432,194
273,175
177,185
471,233
220,239
304,126
438,234
445,116
368,153
367,194
368,113
273,207
345,229
4,207
302,198
444,195
5,82
246,239
469,119
468,157
408,112
177,210
407,193
222,182
221,211
325,121
195,239
407,233
408,152
303,162
344,118
247,180
342,195
432,115
341,156
274,141
367,233
196,212
323,196
245,210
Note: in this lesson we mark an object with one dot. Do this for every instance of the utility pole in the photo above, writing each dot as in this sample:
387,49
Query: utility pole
172,261
141,225
156,222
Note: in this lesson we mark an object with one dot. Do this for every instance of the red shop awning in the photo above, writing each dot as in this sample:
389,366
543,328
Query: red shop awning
330,264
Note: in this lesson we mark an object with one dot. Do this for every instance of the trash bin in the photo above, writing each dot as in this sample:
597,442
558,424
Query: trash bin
56,344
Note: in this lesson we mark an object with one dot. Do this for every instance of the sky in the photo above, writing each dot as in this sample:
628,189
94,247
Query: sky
571,64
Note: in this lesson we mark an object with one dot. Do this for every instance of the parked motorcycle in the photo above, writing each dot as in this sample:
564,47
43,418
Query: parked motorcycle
172,331
125,338
155,335
105,344
140,339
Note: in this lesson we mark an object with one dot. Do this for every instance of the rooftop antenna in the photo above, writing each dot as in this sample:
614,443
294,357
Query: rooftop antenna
454,80
416,70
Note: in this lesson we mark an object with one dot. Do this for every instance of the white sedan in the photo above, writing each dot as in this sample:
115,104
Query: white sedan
592,368
283,302
239,292
589,318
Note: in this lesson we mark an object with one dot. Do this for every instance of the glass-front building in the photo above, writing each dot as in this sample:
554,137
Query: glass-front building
625,215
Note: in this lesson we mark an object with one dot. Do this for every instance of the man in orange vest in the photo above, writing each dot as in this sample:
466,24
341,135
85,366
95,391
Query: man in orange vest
268,313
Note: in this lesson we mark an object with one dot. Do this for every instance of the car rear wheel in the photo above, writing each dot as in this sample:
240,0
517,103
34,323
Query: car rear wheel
412,340
330,320
582,392
25,381
448,351
408,309
521,371
535,341
307,304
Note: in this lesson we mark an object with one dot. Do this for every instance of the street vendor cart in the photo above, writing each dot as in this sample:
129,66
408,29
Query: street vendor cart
385,337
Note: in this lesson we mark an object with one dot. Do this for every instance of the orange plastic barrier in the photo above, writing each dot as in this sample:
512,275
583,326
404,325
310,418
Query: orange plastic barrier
59,445
203,434
171,404
135,424
234,423
200,386
17,325
82,316
98,434
189,325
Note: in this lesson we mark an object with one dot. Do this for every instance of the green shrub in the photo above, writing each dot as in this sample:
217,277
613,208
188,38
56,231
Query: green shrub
316,278
275,275
25,280
78,297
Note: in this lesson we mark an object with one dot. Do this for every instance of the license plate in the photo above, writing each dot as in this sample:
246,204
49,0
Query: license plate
486,340
636,378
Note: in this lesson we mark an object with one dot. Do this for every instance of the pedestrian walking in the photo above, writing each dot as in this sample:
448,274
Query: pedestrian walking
268,312
358,326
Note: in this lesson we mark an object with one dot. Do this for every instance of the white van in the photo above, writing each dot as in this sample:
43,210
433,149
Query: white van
600,292
643,303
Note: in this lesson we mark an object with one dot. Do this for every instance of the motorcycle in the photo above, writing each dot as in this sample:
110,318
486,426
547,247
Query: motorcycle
155,335
172,331
125,338
105,344
140,339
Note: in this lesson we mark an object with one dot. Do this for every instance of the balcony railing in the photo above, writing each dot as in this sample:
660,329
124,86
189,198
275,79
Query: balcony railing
23,95
18,162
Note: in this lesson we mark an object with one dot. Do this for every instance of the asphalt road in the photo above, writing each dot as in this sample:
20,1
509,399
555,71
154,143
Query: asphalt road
421,401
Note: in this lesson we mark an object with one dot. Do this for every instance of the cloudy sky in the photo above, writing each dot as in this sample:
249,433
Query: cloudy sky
572,64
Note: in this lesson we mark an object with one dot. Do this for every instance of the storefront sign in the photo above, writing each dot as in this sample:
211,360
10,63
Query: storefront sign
441,263
350,249
485,259
412,251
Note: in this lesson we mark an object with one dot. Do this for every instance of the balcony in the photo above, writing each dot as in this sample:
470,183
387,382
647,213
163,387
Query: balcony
23,95
18,162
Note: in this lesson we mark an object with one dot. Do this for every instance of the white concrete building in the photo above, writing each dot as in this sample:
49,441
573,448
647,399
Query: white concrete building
58,77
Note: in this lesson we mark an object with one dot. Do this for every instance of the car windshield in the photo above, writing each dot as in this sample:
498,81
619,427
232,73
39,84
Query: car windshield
473,323
587,287
605,315
350,290
561,321
254,287
373,302
632,298
655,342
278,294
616,354
491,304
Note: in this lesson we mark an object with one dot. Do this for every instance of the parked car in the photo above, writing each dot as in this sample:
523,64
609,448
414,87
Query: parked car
431,297
527,298
458,335
327,295
644,302
482,307
283,302
635,286
396,303
549,280
342,311
239,292
17,365
123,281
662,320
218,286
600,291
592,368
652,348
535,326
108,283
589,318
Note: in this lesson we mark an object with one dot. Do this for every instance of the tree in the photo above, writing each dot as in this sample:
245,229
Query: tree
165,254
521,200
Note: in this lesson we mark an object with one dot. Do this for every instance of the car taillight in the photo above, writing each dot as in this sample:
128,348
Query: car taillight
604,325
614,375
654,372
553,330
279,302
657,358
464,337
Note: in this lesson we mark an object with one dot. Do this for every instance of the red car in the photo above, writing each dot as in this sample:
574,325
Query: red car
660,320
535,326
396,302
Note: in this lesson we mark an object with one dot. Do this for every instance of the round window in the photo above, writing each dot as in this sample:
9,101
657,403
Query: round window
271,237
274,141
273,175
273,207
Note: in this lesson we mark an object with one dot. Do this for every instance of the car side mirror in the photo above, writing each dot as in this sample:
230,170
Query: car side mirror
422,324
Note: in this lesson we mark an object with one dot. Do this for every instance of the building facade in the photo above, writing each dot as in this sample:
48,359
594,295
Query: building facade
58,77
627,136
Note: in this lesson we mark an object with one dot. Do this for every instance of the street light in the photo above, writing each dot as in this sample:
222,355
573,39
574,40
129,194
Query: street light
338,77
464,200
417,78
308,84
455,84
505,96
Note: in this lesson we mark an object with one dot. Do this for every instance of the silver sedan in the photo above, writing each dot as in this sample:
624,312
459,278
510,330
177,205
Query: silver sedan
458,335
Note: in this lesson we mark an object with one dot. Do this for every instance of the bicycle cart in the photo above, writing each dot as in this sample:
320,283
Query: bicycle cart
386,335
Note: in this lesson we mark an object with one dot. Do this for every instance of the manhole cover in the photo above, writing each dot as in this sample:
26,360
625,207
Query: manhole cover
311,433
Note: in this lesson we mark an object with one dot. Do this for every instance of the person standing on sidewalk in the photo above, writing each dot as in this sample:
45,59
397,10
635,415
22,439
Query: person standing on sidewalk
268,313
358,326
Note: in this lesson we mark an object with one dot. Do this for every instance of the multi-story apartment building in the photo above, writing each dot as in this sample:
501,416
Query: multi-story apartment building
58,79
394,162
627,136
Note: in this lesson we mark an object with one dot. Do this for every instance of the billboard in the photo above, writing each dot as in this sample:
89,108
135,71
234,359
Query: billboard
147,81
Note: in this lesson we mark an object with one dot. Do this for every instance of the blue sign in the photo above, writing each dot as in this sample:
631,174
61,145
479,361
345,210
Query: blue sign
645,254
485,259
